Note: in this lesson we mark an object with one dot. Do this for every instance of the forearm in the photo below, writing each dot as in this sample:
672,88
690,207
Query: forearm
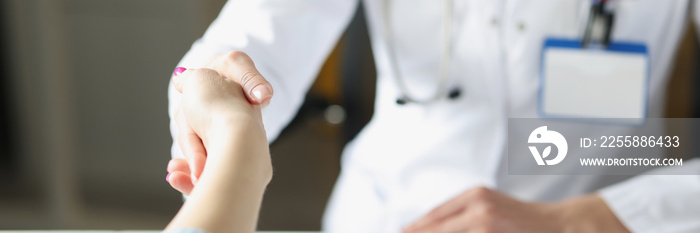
224,204
587,213
229,192
661,200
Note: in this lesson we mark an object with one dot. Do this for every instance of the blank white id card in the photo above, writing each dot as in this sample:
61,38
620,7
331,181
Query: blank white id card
609,83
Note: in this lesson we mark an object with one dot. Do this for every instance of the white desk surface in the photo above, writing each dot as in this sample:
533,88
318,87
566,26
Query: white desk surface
121,231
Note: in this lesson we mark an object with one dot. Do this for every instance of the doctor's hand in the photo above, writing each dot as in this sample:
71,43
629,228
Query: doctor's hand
483,210
235,66
239,67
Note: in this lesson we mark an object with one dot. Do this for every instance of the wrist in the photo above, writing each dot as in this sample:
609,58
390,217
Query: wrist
228,125
238,144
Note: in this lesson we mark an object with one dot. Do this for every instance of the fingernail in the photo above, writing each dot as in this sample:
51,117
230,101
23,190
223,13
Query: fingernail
179,71
167,178
261,93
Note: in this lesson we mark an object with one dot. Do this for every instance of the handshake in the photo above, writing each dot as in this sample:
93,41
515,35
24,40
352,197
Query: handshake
216,101
227,167
220,131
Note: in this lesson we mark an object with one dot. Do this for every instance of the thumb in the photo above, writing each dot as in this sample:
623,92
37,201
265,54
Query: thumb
239,67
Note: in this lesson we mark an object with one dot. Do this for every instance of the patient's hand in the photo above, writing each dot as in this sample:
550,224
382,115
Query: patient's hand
216,115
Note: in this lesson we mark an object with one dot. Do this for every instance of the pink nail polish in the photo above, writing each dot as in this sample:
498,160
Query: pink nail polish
167,178
179,71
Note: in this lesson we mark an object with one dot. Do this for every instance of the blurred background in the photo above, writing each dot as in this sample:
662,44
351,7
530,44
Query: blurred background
84,138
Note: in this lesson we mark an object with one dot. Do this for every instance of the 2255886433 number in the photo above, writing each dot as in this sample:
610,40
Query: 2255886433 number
640,141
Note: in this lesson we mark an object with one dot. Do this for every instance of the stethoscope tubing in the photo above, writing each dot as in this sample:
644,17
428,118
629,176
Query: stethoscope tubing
445,58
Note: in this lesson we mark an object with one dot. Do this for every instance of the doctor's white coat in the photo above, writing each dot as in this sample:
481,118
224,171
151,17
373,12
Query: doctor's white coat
411,158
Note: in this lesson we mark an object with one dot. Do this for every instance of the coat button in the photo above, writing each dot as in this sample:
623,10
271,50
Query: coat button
521,26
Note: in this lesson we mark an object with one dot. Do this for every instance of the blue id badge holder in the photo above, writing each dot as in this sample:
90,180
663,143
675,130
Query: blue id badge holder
594,80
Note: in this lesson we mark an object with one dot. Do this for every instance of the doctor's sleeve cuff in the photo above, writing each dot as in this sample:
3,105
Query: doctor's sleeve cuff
658,203
288,40
628,206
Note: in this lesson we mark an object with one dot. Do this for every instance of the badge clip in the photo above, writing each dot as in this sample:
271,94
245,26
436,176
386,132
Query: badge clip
599,25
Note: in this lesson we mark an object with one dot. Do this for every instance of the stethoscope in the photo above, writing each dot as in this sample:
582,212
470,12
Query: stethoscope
441,92
599,13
